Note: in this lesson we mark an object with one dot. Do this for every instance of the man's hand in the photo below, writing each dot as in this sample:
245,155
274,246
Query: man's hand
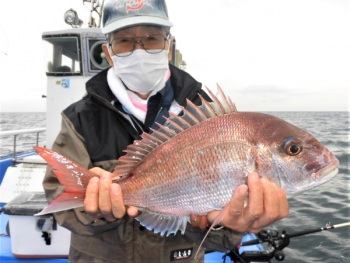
199,221
267,203
104,198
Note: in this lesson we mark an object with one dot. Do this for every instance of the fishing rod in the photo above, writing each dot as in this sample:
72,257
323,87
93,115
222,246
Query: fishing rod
277,241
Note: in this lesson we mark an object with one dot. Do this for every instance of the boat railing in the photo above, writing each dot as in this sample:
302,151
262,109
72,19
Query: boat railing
15,133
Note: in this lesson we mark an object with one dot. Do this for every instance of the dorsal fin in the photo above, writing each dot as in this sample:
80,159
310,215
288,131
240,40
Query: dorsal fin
180,121
196,111
189,117
207,108
192,116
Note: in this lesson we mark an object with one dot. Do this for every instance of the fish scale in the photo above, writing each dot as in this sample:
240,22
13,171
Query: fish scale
193,163
187,180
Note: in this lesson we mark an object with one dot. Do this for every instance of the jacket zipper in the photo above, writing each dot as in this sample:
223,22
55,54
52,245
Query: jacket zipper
132,117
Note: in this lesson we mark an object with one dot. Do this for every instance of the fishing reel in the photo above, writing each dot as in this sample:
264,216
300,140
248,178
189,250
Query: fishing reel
272,237
276,241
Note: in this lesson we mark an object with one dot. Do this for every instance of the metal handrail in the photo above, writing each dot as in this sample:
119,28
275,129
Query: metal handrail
15,133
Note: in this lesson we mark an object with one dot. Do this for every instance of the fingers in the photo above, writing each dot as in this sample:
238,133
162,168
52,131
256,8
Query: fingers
118,208
284,206
271,201
200,221
267,203
104,199
92,196
232,217
255,207
236,207
203,222
274,205
195,219
271,206
132,211
91,199
97,170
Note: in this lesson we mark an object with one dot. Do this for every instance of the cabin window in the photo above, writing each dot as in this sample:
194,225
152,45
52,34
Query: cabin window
98,60
62,55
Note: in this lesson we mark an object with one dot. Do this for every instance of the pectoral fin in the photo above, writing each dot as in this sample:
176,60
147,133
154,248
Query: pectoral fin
162,224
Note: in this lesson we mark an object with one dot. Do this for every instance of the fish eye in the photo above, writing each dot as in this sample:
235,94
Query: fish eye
292,146
294,150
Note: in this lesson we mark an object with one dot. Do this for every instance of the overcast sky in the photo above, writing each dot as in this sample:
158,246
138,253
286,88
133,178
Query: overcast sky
268,55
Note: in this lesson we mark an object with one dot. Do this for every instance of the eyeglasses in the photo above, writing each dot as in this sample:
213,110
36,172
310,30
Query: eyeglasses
124,46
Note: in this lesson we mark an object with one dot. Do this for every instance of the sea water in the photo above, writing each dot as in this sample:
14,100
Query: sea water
327,203
18,121
315,208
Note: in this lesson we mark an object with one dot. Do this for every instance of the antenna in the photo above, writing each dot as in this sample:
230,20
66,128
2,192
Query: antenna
95,7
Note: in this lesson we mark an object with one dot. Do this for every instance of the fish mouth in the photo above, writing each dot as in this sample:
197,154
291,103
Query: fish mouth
327,172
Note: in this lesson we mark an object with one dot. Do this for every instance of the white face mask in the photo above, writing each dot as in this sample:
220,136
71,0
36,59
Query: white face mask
141,71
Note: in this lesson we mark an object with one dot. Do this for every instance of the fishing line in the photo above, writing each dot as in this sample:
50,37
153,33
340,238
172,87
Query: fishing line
241,259
277,241
42,120
328,226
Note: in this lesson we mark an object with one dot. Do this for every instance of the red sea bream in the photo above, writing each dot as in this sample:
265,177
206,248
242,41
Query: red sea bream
193,163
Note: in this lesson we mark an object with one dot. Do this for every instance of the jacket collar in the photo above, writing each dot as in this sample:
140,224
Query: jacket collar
184,85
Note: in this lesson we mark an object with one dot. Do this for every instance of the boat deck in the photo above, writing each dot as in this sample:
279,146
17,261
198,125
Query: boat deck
7,256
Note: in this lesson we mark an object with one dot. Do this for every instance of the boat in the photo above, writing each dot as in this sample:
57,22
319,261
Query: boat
72,56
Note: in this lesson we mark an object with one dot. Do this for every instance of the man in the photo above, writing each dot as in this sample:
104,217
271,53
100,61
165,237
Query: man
121,103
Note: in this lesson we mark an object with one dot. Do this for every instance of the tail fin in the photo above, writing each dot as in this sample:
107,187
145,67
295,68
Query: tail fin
71,175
